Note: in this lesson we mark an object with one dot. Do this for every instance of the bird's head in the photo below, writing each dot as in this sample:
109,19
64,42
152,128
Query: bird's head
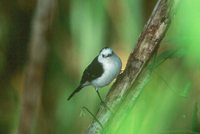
105,54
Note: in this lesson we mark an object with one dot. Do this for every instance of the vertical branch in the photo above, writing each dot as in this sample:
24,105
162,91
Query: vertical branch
147,44
35,68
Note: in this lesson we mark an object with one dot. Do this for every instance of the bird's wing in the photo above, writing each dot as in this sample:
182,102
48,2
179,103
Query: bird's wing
93,71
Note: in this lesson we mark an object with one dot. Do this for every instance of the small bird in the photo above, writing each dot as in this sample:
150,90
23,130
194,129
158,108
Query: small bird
101,71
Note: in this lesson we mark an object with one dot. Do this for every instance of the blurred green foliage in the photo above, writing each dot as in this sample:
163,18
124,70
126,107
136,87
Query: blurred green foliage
169,101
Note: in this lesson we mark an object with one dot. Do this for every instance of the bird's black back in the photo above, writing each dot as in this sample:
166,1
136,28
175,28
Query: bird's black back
93,71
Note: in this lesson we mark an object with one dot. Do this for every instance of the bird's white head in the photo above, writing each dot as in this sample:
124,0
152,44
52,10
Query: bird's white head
106,54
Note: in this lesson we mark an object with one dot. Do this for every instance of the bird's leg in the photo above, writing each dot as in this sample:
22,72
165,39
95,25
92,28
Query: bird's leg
100,96
102,100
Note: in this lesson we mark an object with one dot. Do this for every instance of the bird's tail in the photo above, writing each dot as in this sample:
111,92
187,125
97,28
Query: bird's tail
75,91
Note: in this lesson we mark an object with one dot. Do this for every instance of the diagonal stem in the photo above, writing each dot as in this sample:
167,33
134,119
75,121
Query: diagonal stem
149,40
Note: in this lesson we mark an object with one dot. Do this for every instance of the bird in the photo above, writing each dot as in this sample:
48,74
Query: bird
104,68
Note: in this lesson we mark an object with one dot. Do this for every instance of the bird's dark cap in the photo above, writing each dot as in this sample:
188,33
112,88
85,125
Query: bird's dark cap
104,48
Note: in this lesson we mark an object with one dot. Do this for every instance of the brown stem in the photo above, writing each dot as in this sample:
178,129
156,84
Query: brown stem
147,44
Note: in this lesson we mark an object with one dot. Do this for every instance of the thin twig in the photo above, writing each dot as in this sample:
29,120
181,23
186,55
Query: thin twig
92,116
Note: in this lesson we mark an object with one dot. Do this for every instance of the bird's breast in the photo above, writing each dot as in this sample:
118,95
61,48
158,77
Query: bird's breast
112,68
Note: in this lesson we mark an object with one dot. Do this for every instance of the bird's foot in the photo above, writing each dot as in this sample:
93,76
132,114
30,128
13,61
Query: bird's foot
104,104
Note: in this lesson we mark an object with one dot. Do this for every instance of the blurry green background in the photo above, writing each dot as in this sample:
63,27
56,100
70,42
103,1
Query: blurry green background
170,100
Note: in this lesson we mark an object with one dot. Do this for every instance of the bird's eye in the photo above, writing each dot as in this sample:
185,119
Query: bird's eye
103,55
